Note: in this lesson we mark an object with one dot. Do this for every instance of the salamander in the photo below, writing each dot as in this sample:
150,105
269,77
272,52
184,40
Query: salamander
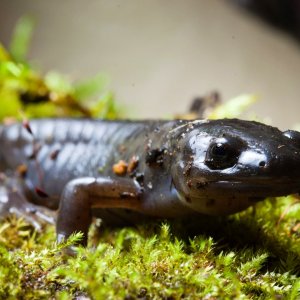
125,171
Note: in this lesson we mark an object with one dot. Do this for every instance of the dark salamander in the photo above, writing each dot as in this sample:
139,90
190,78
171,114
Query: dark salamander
126,170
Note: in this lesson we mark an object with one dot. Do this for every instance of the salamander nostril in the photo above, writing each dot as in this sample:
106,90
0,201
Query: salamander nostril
262,164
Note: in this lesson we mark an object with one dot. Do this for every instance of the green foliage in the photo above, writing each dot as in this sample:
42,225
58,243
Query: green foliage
234,107
21,39
24,91
91,87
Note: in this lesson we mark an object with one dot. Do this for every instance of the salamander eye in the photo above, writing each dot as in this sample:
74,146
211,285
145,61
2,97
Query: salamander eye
222,154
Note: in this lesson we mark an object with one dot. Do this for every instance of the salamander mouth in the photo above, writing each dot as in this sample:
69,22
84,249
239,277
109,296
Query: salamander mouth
257,187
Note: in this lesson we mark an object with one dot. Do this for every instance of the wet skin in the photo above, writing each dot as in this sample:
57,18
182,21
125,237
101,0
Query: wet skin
126,171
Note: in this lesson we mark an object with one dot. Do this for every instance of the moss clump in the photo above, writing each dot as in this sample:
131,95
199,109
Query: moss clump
245,256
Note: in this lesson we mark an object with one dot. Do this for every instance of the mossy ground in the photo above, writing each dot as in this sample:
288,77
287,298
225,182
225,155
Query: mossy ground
251,255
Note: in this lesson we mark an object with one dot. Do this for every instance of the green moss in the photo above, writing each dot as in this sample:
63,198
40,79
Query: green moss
245,256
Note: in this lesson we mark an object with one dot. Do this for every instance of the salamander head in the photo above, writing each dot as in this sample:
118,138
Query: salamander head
224,166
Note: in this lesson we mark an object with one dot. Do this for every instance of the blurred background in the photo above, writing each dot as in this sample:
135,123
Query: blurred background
161,54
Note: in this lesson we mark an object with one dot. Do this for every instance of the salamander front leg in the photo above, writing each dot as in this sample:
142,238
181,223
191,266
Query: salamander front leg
81,195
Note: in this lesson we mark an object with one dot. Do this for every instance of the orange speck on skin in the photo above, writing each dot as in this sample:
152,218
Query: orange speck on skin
120,168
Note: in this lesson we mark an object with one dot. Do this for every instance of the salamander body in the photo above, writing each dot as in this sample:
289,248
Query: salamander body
122,171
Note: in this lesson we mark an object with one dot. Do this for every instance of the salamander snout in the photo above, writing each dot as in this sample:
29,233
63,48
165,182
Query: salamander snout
294,136
270,156
283,157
